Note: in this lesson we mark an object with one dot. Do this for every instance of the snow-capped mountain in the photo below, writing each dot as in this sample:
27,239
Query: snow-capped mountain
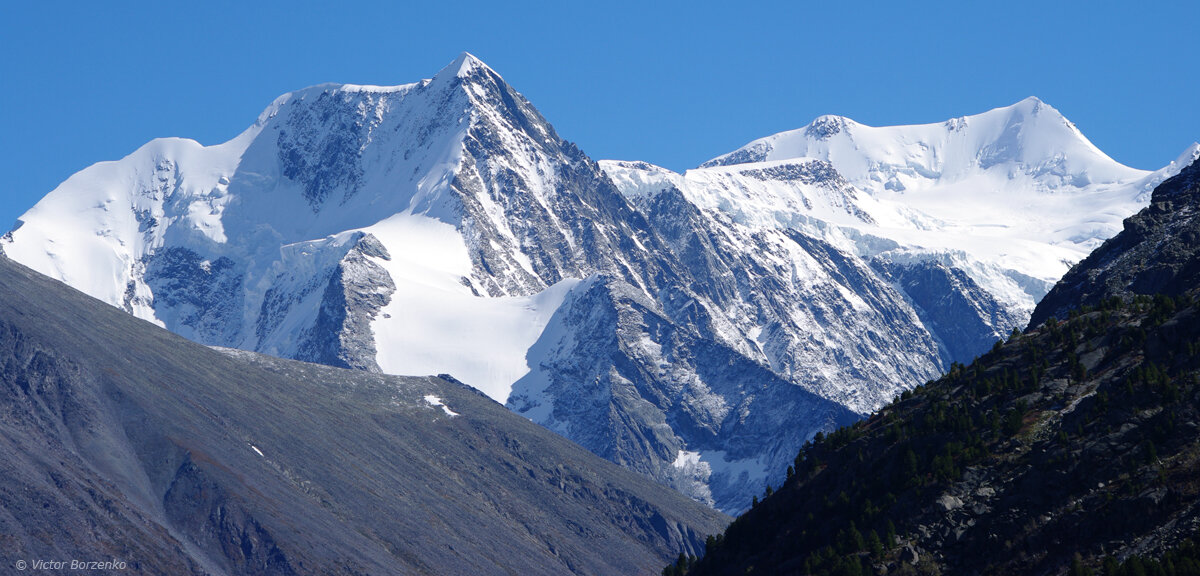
1019,185
971,221
697,328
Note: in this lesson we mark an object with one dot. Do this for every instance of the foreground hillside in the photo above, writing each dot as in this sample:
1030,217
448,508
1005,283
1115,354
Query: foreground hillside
1073,447
120,441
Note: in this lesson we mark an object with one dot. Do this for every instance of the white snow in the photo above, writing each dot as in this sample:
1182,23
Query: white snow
638,180
436,402
686,459
86,231
465,64
434,324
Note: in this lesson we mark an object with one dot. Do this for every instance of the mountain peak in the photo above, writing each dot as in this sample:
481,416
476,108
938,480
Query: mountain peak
1031,101
828,125
1187,158
1028,136
463,66
1033,106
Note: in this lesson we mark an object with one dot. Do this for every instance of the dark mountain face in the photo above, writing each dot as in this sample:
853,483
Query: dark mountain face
121,441
954,307
1158,252
1069,448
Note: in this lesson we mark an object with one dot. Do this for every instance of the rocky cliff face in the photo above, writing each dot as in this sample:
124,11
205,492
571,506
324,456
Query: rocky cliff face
814,314
965,318
618,374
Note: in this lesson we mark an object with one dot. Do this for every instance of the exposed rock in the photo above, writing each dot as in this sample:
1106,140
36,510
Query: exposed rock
948,502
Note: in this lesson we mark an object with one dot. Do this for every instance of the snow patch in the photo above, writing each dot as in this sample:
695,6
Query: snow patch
436,402
686,459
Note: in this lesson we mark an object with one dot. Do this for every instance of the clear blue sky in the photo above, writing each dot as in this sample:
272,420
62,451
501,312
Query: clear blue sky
673,83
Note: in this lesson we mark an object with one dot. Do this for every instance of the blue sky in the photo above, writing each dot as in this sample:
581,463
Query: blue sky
673,83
